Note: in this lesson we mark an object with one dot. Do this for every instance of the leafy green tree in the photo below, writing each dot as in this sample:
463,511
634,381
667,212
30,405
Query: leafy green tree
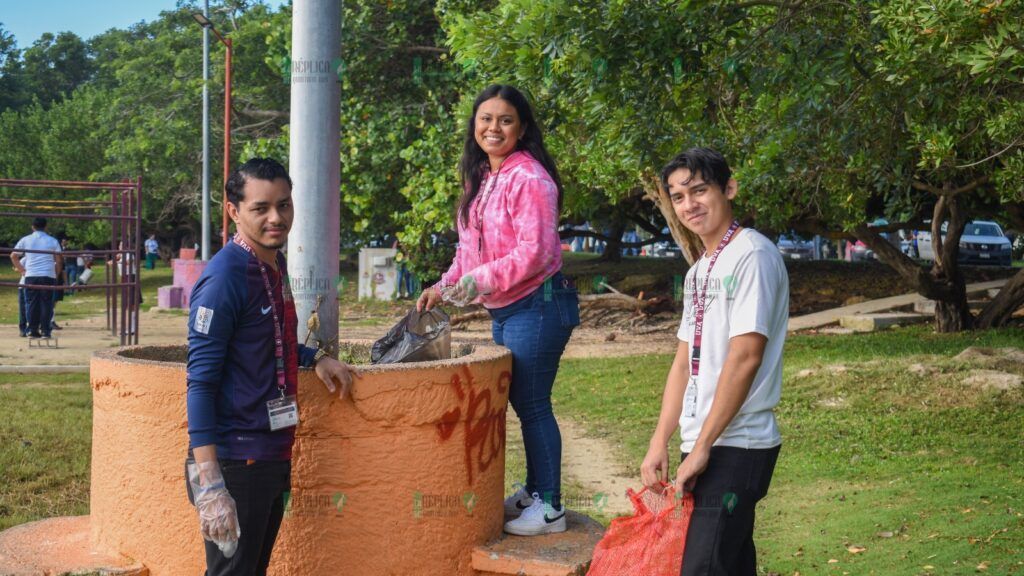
613,82
398,141
904,111
11,92
55,65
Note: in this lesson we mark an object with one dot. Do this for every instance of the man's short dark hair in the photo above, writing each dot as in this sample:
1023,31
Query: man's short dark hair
39,223
259,168
710,164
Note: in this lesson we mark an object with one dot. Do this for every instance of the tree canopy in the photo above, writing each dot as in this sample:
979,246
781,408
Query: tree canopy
832,114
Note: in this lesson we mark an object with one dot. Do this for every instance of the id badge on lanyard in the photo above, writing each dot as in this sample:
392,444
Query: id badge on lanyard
283,412
699,303
690,399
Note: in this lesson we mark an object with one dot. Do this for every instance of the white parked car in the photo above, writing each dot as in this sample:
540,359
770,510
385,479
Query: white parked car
982,242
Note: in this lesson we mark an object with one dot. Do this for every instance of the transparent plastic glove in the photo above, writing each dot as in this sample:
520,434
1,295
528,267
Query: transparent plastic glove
462,293
218,517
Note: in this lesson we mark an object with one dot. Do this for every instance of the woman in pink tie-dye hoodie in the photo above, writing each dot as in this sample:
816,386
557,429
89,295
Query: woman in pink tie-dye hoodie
509,260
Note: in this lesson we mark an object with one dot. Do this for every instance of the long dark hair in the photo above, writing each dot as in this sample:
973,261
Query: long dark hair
474,158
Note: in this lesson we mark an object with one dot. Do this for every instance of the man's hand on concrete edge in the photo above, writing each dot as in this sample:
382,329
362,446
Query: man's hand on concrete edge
334,373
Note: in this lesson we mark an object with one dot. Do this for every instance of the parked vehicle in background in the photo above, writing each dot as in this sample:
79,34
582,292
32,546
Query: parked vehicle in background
982,242
663,249
793,247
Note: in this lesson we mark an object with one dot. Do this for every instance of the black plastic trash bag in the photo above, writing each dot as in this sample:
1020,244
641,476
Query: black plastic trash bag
418,337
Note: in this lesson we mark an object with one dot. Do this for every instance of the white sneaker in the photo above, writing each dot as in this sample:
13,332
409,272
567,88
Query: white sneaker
538,518
516,503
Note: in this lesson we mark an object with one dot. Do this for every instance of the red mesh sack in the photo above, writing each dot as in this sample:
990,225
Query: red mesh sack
651,542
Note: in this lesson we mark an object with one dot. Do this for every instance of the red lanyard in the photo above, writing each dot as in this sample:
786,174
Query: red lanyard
278,336
701,303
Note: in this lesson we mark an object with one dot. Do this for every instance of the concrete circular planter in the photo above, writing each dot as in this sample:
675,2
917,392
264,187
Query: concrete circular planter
406,477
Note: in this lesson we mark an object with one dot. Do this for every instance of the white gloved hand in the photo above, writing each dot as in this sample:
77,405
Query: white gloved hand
462,293
218,516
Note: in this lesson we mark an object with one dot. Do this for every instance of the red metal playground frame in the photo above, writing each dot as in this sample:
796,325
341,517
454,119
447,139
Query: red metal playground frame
123,212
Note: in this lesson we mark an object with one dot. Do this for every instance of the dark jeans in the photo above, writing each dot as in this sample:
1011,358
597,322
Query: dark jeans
536,329
259,490
720,540
22,311
39,304
405,280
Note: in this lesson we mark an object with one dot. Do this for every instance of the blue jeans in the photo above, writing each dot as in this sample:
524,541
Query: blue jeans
23,311
536,329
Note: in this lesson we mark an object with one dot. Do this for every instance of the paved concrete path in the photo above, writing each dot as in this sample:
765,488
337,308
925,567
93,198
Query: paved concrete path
826,317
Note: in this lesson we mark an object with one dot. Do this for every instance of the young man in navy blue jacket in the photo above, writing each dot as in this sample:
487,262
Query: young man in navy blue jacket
243,362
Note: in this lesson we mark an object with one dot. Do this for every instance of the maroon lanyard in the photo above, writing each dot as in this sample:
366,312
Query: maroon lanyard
278,336
700,303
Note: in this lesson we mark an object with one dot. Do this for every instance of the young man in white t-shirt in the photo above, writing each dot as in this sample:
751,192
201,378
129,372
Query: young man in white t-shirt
727,374
37,257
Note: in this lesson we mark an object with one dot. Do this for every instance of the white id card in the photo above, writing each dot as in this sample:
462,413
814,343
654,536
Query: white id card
284,412
690,400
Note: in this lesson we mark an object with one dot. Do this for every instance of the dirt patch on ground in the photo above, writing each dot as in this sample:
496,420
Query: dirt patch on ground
1008,358
592,464
993,380
80,338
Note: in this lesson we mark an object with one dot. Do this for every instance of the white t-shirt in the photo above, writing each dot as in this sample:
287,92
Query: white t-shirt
38,264
752,277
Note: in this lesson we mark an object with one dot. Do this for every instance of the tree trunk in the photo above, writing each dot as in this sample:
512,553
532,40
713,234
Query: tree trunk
951,314
944,283
613,246
689,243
999,311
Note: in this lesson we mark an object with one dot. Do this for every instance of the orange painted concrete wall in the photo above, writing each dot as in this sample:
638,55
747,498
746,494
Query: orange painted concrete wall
405,479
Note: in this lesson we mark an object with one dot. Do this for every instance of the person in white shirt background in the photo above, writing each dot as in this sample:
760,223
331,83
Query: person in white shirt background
727,374
39,269
152,251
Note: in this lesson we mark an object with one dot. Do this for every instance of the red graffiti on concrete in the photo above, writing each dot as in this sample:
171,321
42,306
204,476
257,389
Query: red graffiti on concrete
483,422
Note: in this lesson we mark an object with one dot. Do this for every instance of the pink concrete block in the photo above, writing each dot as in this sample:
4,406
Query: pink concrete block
169,296
186,274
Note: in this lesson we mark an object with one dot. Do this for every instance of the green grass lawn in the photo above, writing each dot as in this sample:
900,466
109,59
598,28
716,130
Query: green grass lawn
82,303
886,448
86,303
45,443
920,470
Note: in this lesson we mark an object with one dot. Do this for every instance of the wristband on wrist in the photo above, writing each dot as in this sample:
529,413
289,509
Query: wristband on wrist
320,353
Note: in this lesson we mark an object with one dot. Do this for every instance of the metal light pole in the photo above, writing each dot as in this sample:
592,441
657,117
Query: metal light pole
208,26
314,164
206,134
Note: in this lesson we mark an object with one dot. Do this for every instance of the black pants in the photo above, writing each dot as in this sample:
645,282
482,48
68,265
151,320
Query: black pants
259,491
40,305
720,540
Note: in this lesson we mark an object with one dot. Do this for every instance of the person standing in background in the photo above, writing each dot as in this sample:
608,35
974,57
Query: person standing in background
40,267
152,252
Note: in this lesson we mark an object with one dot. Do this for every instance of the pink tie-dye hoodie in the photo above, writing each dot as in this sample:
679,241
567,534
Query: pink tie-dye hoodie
520,248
